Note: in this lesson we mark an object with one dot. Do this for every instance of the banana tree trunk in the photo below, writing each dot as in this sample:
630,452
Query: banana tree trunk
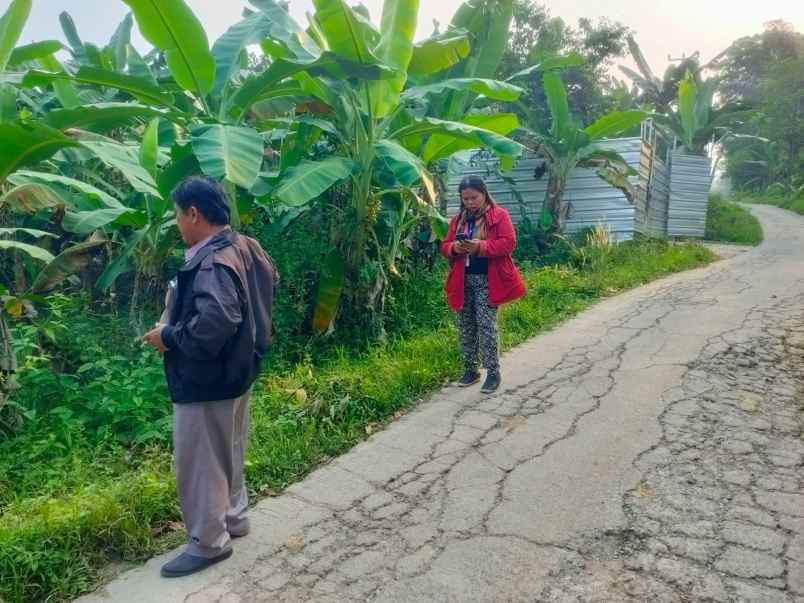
557,207
10,418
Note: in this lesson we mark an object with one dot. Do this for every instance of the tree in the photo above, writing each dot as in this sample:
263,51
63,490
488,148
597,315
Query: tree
748,62
659,94
535,35
365,135
779,156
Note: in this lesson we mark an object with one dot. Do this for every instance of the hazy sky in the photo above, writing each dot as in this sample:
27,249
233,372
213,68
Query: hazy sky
663,26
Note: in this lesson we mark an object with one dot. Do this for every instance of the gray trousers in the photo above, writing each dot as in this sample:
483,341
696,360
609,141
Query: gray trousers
209,442
477,322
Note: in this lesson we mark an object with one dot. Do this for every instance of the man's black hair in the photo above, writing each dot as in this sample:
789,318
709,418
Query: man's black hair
207,196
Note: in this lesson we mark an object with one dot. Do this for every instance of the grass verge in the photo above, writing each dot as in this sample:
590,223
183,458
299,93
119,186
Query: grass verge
729,222
54,548
794,204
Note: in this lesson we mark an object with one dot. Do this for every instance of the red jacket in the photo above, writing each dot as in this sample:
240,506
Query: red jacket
505,283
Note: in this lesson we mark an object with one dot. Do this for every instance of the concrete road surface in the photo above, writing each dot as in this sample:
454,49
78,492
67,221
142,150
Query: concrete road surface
649,450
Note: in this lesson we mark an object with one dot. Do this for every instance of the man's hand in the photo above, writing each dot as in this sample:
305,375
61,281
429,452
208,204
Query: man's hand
153,338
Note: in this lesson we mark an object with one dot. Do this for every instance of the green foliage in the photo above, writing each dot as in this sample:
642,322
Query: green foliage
71,498
791,202
731,223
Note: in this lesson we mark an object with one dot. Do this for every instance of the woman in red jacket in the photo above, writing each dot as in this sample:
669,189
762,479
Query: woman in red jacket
482,277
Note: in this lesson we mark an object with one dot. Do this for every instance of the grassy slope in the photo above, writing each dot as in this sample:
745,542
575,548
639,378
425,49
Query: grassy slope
53,547
731,223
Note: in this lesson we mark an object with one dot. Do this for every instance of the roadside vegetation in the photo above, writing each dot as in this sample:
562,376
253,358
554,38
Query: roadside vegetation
331,138
88,480
730,222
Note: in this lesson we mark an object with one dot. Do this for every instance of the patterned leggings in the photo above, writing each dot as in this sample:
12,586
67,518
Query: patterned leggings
477,322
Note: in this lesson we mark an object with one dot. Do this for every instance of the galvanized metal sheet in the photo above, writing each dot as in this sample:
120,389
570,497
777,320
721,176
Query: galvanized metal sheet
593,201
690,181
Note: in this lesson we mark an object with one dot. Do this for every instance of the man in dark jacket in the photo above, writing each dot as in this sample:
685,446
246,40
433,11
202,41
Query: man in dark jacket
214,334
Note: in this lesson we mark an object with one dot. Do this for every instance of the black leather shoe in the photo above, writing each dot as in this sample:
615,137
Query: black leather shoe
186,564
491,384
469,378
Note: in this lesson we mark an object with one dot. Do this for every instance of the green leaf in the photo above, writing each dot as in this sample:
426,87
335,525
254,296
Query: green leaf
125,159
139,88
71,33
687,98
492,89
555,63
441,146
8,102
477,137
229,47
256,87
285,31
394,161
122,263
230,152
67,263
331,281
639,59
173,28
37,234
491,49
614,124
149,148
183,164
100,117
395,49
65,91
25,177
85,222
309,179
273,22
35,252
556,95
121,39
137,67
25,144
11,24
30,198
342,31
438,54
32,52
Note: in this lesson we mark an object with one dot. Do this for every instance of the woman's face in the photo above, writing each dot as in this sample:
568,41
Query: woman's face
473,199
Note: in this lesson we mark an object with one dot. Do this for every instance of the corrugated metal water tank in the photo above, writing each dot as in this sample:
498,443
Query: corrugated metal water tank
593,201
690,181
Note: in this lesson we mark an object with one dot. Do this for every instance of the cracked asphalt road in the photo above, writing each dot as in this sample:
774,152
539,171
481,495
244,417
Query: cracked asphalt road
649,450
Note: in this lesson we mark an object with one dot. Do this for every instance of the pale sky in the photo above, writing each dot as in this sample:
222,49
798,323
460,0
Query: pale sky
663,26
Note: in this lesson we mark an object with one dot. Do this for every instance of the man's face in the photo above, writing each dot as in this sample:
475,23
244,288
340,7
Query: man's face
187,222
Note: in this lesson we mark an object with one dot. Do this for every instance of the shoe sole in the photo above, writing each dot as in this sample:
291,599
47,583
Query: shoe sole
475,382
212,562
486,390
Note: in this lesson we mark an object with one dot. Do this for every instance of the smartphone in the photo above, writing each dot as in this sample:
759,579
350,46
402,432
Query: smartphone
462,237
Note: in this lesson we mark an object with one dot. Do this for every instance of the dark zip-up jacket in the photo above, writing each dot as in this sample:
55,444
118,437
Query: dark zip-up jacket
219,320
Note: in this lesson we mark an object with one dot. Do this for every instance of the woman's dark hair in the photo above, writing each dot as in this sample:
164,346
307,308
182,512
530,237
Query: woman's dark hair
207,196
475,183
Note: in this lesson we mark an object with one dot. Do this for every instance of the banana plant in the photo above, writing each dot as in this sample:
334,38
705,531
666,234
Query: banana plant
362,134
568,145
697,122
